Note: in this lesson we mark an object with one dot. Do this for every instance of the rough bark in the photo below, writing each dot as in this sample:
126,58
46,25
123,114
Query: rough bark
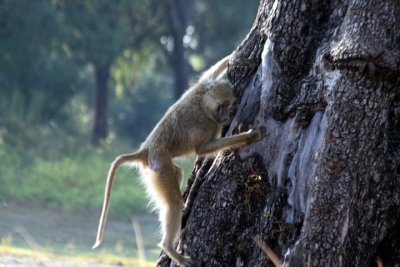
323,187
100,126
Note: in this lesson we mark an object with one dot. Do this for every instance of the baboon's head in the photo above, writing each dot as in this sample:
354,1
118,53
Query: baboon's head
219,102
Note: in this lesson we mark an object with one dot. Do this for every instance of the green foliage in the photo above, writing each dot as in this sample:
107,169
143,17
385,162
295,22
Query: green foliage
219,26
97,31
68,182
10,172
141,98
72,181
31,61
48,52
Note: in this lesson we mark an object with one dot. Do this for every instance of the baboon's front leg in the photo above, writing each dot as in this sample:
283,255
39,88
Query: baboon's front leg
229,142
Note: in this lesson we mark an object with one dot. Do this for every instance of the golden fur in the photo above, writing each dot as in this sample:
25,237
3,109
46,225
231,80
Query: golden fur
192,125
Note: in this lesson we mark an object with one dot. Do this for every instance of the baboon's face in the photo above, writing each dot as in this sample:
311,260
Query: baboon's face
220,102
225,112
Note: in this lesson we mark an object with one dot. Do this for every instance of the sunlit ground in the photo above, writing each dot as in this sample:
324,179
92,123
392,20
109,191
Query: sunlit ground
39,237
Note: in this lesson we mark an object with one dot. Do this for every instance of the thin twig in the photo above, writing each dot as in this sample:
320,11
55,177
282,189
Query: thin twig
269,252
139,242
30,240
379,261
22,231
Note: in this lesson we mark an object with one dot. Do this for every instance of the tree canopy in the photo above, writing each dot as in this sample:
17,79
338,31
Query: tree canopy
60,58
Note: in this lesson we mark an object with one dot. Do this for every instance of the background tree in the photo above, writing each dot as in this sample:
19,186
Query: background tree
190,26
98,33
224,22
323,187
31,60
176,15
170,24
129,26
98,42
49,53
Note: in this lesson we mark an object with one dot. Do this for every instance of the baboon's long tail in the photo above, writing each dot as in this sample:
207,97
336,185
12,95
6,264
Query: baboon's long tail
139,156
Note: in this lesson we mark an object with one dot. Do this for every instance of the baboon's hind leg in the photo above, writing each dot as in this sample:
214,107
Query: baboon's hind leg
170,202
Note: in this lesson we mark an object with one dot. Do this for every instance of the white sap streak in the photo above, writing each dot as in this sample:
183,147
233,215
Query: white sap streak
266,67
274,7
281,137
289,150
302,168
286,142
330,78
344,227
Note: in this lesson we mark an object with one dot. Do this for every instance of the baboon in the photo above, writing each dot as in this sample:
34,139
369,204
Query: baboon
192,125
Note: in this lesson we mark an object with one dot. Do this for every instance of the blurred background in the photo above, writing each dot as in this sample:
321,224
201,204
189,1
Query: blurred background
81,82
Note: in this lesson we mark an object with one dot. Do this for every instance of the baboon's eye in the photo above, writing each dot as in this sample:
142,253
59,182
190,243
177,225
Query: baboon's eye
222,107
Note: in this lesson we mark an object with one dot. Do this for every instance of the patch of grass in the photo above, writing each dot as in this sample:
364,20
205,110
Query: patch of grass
51,196
37,230
47,257
77,184
72,182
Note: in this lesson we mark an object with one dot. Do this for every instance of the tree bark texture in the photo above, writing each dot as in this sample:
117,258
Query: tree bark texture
322,188
100,126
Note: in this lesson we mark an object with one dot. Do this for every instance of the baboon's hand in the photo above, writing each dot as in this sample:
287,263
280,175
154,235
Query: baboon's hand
254,135
187,262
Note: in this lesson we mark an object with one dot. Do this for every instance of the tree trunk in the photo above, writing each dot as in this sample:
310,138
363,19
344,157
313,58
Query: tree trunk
176,14
323,186
100,127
